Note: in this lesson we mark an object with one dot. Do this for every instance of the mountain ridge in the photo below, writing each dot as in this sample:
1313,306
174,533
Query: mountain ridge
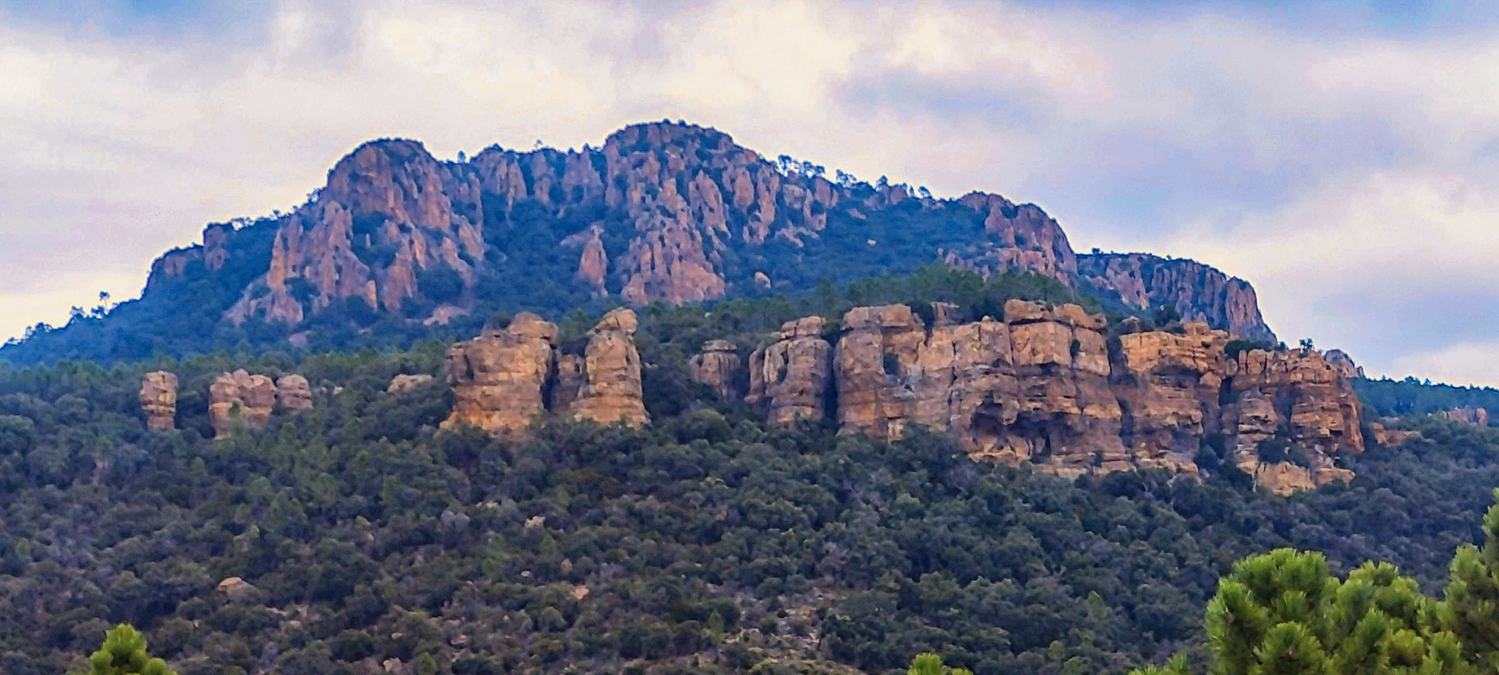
662,211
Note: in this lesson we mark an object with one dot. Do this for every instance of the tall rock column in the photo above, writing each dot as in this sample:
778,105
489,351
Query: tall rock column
499,378
158,398
877,370
791,377
611,390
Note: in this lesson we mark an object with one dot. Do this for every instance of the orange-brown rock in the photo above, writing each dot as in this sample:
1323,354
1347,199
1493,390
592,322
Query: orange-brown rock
611,390
158,396
1195,291
791,377
717,366
403,383
1478,417
568,383
499,378
1069,421
1344,364
293,393
240,398
1168,385
1290,399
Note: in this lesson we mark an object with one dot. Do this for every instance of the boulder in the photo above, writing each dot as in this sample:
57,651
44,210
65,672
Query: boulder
158,397
499,378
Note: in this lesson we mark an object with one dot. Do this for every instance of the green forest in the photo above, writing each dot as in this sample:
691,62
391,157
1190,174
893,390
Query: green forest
708,542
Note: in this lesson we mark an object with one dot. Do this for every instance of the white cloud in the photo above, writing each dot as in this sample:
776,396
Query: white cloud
1350,176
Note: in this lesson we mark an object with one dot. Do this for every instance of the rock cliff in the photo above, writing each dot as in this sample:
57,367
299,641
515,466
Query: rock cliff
661,211
158,397
1195,291
1478,417
1043,387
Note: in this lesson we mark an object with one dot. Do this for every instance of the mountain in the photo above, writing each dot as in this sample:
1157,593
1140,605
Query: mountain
664,211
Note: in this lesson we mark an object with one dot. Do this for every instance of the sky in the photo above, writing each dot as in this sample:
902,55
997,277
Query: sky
1343,158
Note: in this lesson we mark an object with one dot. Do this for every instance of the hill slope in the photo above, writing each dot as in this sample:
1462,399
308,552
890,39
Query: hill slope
673,212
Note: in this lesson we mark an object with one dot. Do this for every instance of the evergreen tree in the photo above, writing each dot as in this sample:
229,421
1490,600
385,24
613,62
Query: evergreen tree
124,653
1470,607
929,663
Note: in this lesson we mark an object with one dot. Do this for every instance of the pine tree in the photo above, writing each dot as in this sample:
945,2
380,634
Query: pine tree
1470,606
124,653
929,663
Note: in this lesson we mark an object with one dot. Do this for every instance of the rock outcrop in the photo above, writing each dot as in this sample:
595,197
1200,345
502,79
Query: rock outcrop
611,388
293,393
1343,363
240,398
1478,417
1169,388
158,397
505,379
1195,291
791,378
1292,415
403,383
717,366
1043,387
499,378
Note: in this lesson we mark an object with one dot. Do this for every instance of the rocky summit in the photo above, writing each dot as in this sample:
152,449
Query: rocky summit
662,211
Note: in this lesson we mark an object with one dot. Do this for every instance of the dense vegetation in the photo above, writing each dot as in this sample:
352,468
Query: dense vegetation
706,543
1415,397
1285,612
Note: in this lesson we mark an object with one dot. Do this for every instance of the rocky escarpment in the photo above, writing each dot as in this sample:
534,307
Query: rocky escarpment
1478,417
505,379
661,211
1043,387
1194,291
158,397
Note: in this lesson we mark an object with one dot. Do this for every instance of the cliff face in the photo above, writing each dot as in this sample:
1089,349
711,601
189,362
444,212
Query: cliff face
1195,291
661,211
1043,387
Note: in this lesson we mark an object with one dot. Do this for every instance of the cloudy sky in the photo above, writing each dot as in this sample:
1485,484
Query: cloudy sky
1345,160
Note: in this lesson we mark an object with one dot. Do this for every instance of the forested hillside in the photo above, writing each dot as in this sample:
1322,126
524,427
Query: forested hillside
356,532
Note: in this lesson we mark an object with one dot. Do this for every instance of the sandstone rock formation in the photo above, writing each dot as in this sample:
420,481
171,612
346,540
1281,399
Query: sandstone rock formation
1291,399
1042,387
1478,417
1169,388
499,378
240,398
678,213
403,383
717,366
293,393
1195,291
158,398
1344,364
791,377
611,390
